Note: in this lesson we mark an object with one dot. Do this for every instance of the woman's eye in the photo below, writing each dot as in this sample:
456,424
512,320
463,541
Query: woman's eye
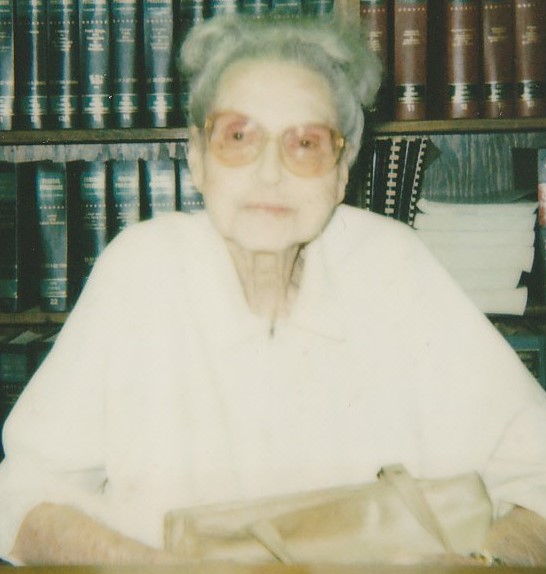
307,144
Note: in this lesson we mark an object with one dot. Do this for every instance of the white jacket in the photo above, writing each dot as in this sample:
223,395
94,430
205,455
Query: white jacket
163,390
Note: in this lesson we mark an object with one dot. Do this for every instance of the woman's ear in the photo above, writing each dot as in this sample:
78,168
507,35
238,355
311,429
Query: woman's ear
342,176
196,157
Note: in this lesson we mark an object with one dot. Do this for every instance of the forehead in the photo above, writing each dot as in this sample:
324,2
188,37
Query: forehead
277,94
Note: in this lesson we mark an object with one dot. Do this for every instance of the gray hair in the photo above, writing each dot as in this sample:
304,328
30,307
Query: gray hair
334,49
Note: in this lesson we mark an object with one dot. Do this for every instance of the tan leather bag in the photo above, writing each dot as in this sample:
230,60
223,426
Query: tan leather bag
395,520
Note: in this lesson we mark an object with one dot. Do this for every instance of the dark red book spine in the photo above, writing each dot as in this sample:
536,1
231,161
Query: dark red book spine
410,59
462,59
530,57
498,58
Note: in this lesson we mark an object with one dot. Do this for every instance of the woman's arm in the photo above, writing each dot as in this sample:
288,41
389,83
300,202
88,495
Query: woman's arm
60,534
519,538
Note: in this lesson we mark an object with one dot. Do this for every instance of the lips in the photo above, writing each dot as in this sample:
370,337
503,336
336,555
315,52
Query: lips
269,208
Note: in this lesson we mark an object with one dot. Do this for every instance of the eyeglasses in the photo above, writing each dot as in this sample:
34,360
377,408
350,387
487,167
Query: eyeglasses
307,151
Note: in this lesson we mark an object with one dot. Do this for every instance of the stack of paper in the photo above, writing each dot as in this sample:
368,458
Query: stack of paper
485,247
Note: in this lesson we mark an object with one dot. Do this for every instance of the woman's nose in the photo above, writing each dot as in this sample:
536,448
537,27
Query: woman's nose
270,162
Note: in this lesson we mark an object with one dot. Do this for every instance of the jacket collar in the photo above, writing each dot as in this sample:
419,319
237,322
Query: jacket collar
224,314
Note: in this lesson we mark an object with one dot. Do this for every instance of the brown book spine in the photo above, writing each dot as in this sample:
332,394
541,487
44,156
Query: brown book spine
374,16
410,59
462,59
530,57
498,58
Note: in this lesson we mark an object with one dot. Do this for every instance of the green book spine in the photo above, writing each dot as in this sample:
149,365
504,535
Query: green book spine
123,201
16,368
158,187
9,276
220,7
31,64
188,199
125,80
255,7
92,230
7,76
187,13
287,7
95,106
63,63
51,202
17,239
317,7
541,224
158,62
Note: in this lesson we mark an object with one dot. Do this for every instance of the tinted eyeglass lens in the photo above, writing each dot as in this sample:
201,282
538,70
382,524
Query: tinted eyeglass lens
235,140
307,151
310,150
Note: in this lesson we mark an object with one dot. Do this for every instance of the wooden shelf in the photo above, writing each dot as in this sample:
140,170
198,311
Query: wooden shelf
143,135
60,137
459,126
32,317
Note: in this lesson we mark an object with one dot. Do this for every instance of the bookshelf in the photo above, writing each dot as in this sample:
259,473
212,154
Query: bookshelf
462,126
26,141
91,136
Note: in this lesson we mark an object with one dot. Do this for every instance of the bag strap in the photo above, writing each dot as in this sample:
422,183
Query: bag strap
269,536
408,488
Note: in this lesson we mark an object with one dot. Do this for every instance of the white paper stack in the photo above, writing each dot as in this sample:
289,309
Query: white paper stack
485,247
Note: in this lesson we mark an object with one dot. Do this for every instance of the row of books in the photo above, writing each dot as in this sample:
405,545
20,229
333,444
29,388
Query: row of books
103,63
56,218
459,58
21,353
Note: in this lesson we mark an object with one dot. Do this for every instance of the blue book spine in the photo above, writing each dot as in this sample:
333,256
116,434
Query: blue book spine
51,201
125,80
31,64
123,200
63,63
95,98
189,199
93,232
158,187
158,31
7,76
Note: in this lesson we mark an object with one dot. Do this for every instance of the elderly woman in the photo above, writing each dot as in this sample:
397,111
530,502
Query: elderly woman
277,342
